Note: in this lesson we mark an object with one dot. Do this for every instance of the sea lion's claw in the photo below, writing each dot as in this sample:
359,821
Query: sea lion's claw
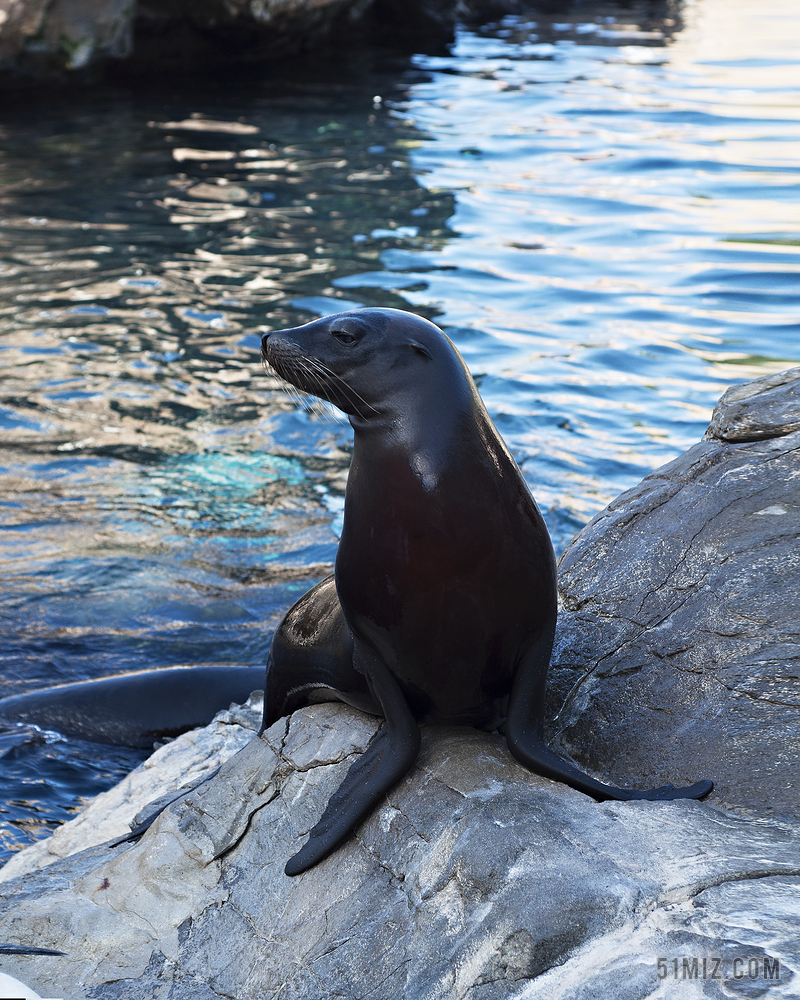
666,793
25,949
155,808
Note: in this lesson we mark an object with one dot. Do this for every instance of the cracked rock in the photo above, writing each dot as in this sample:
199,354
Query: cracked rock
475,880
678,647
182,762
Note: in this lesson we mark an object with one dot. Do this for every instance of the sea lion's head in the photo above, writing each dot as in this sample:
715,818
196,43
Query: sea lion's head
367,362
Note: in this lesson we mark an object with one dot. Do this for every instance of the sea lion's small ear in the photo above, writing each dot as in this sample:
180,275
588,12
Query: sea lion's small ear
420,349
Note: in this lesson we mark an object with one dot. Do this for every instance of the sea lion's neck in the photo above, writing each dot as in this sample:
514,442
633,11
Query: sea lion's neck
424,424
427,441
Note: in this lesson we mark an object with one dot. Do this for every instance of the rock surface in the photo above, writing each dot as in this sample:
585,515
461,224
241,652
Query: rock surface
40,39
181,762
37,36
474,879
678,650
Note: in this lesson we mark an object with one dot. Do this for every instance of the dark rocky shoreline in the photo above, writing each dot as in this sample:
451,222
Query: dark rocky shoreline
90,42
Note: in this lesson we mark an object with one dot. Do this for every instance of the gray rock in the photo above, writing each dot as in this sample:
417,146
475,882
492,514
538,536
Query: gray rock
474,879
766,408
112,814
678,650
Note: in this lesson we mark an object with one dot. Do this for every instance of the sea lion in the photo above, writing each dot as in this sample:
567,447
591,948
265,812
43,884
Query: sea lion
442,607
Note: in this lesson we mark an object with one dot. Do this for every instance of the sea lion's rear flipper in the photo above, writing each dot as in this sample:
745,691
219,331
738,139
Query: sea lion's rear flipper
525,737
135,709
386,760
311,658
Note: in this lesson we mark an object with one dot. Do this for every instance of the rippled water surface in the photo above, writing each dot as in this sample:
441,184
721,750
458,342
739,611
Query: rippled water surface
602,213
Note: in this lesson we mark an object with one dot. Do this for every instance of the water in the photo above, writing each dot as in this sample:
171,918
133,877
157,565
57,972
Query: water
602,212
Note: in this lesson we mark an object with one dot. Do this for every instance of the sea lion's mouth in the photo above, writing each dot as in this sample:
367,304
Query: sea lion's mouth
299,370
309,374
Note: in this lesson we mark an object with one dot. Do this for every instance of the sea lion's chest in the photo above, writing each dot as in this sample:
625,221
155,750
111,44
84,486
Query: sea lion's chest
437,573
408,530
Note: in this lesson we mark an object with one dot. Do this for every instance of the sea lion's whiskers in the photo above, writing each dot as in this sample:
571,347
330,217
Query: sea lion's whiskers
293,367
317,373
320,404
300,397
296,370
308,399
324,370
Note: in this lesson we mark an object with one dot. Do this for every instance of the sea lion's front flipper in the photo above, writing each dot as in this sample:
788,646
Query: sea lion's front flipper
386,760
525,737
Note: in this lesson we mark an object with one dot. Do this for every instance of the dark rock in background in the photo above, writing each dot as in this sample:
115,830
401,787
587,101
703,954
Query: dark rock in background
188,34
86,41
39,39
678,648
77,39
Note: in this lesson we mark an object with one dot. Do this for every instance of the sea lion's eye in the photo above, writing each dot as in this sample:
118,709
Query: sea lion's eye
343,336
420,349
